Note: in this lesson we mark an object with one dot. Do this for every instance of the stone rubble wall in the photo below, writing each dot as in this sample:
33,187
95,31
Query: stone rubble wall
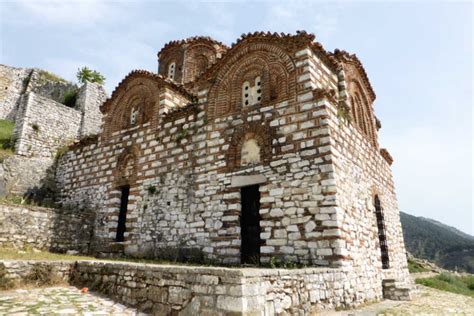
49,85
182,290
44,126
22,271
45,228
21,175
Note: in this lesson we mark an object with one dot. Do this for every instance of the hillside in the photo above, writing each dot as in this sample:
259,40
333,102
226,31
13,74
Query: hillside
439,243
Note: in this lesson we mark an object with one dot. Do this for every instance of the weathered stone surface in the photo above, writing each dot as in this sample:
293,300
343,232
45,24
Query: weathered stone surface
45,228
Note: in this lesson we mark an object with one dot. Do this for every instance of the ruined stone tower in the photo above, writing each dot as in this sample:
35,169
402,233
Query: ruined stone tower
260,152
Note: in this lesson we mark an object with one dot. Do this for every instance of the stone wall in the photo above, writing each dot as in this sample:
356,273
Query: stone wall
361,174
89,99
182,290
21,175
23,271
45,228
13,83
32,98
49,85
43,126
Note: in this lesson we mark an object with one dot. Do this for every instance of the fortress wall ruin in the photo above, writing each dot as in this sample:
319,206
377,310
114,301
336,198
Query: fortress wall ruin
31,98
43,126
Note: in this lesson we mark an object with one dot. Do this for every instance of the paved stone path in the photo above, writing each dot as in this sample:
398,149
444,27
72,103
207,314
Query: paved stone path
59,301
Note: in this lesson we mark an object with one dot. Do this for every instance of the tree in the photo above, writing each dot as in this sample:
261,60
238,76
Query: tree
85,74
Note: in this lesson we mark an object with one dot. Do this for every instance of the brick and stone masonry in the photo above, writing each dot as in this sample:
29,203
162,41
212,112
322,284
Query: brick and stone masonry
266,150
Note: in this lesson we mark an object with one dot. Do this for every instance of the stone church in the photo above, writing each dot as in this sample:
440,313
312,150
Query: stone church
262,151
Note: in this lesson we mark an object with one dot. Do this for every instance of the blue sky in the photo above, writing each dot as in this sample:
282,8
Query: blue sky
418,56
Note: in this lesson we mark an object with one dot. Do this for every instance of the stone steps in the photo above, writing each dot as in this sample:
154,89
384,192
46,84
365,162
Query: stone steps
397,291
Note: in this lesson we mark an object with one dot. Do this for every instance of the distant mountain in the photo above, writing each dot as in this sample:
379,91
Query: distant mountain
442,244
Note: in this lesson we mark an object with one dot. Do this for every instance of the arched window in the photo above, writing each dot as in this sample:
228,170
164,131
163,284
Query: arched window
252,94
381,233
171,70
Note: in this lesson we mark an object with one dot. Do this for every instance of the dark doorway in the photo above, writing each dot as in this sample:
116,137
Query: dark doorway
250,225
381,233
123,213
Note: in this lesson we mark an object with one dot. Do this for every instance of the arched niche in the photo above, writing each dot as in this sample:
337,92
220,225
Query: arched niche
126,170
250,145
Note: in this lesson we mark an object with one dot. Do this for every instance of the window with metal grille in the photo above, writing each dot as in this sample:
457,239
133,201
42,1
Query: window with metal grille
381,232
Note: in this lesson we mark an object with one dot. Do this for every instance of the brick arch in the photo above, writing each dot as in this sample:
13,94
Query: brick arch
174,55
276,68
362,111
199,57
141,95
126,170
261,132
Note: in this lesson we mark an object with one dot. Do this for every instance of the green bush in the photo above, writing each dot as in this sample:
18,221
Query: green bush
6,134
7,143
85,74
70,98
151,189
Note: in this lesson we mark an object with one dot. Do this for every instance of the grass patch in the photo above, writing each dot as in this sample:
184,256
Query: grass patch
51,77
415,267
19,200
7,143
15,254
452,283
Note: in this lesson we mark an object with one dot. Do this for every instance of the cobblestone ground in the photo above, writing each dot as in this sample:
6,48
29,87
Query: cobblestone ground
59,301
